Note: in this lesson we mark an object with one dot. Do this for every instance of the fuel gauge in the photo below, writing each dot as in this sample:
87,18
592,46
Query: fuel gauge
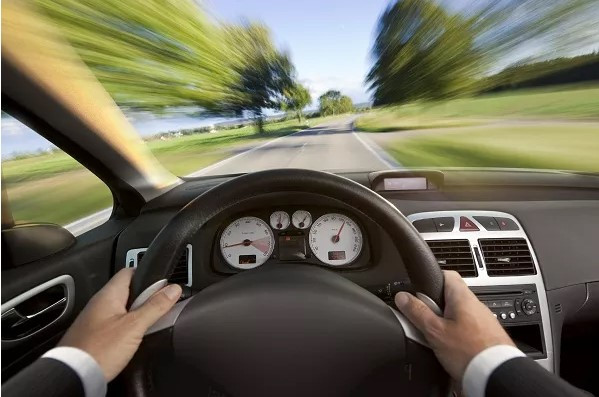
301,219
279,220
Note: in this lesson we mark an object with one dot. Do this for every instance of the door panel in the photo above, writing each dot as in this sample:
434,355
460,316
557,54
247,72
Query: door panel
79,271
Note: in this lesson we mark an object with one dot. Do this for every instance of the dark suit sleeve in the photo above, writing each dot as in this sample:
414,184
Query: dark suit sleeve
46,377
522,376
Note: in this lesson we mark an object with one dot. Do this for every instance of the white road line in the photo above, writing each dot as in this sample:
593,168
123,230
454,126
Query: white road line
369,147
82,225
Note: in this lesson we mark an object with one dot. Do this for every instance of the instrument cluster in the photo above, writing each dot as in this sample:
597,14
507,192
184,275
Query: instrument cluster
316,235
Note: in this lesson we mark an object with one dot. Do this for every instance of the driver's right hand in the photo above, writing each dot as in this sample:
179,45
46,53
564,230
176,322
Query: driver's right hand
467,328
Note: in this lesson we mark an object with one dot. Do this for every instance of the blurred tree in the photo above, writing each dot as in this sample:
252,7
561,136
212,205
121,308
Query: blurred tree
153,54
148,53
420,52
332,102
345,104
296,99
265,73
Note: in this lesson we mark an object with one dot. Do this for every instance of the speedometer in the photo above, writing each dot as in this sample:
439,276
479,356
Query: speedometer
247,243
335,239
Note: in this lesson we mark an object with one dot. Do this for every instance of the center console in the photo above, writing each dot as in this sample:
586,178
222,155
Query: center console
493,254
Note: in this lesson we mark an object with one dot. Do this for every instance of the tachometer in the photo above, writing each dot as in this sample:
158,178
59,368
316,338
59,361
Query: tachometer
247,243
335,239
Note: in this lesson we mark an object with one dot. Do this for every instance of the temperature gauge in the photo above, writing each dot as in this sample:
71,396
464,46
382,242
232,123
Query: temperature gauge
301,219
279,220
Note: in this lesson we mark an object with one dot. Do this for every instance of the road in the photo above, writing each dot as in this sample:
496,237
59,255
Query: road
332,146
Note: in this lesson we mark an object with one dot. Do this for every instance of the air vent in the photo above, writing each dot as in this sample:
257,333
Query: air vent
558,307
507,257
454,255
180,274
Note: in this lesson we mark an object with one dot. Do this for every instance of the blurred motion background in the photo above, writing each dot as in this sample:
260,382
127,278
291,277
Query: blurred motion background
450,83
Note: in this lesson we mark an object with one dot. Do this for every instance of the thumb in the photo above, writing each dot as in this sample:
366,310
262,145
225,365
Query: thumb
418,313
157,306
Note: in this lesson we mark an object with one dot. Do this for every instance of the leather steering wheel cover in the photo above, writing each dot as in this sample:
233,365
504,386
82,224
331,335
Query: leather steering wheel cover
164,251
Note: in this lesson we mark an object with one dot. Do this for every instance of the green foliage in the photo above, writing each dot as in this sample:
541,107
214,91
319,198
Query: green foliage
550,72
158,53
295,99
422,51
264,72
332,102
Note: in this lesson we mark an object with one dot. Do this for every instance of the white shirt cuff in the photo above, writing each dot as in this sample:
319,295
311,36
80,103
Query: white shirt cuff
84,365
482,366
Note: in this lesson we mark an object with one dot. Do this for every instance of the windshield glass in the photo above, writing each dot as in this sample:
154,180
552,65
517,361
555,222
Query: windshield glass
228,86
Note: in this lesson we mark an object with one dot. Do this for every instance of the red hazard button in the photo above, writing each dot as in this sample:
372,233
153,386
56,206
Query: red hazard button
466,225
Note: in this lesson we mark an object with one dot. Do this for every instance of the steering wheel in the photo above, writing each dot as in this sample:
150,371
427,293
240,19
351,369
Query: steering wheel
285,330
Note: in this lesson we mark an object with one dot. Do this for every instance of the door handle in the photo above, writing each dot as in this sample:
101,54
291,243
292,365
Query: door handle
15,318
36,309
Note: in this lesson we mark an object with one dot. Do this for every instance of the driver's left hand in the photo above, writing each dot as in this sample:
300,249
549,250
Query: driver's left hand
110,333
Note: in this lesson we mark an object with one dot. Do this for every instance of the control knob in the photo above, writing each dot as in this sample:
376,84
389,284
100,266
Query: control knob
529,306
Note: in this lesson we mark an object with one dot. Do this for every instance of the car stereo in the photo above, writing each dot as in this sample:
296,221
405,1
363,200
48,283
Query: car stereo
515,306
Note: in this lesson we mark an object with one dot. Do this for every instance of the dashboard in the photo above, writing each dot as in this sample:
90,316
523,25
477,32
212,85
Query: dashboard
525,242
312,235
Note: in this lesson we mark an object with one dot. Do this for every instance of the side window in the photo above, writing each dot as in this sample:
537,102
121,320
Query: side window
44,184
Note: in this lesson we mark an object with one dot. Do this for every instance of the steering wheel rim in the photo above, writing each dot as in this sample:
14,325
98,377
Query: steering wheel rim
163,253
218,333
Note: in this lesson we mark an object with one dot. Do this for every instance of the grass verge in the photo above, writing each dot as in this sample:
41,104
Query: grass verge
549,147
570,102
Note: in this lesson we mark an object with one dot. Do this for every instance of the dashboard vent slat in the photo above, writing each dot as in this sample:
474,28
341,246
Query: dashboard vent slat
507,257
180,274
454,255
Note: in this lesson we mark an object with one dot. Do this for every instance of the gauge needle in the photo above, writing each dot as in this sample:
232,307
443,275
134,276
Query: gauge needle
245,242
260,244
335,238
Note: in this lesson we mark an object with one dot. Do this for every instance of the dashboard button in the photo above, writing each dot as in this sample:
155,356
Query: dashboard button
512,315
506,224
466,225
503,316
488,222
444,224
425,225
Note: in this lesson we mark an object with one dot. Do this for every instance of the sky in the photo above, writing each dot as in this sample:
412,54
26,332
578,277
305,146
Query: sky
329,40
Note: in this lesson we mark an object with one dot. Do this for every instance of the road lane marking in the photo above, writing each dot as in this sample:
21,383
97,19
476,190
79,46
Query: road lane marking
389,163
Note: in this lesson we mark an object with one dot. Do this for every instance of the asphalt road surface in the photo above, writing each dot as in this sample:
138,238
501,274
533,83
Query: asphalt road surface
332,147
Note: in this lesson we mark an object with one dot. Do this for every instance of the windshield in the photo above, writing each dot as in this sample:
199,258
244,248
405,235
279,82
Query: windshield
227,86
